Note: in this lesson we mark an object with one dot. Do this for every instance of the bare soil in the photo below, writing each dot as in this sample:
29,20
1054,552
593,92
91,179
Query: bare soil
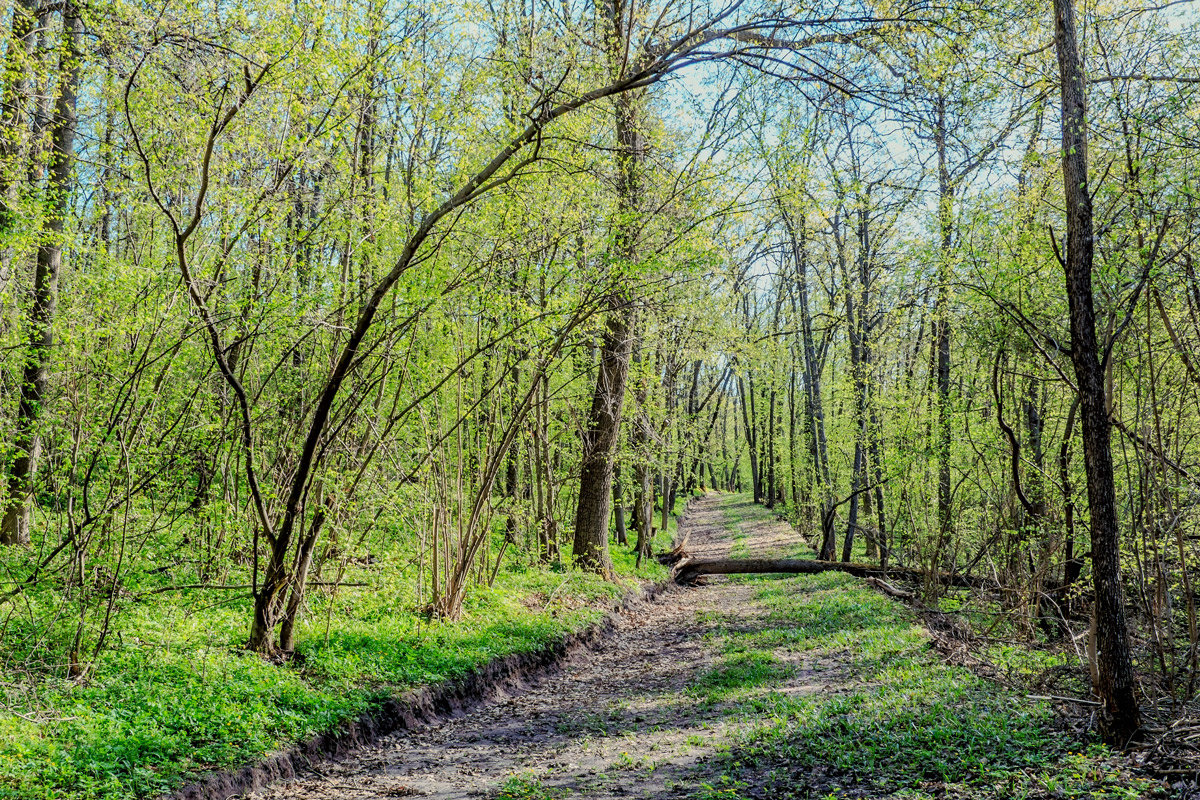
615,722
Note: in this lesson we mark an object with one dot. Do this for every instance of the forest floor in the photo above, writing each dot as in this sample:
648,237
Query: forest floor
751,687
174,697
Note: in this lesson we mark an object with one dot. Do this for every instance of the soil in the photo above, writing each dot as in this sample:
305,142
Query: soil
615,722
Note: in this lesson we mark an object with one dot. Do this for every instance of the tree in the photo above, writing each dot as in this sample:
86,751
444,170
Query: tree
27,441
602,431
1114,682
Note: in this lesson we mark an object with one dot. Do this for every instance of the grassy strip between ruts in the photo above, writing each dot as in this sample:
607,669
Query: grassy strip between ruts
841,696
176,695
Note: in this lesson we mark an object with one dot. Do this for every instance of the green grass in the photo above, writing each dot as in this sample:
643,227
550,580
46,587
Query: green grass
174,694
903,723
526,787
739,671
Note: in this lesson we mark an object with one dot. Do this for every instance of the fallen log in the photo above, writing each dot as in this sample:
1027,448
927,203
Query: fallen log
889,590
687,570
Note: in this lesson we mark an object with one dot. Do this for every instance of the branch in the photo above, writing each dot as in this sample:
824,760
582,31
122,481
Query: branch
1012,437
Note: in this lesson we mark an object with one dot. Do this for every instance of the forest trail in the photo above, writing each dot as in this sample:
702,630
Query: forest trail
622,721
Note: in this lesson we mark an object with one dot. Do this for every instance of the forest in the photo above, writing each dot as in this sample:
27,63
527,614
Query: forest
348,345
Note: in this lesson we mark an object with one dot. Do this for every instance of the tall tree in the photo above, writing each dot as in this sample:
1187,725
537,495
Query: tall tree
603,427
27,441
1114,681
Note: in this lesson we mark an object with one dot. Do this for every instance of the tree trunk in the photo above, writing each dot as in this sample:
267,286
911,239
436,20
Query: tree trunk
1114,682
857,327
287,628
793,455
590,547
814,415
941,330
747,398
770,433
600,438
644,510
619,507
881,543
14,528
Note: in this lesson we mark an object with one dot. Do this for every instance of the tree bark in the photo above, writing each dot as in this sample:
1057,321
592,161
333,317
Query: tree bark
590,546
1114,681
287,627
814,415
859,332
619,507
941,329
688,570
14,528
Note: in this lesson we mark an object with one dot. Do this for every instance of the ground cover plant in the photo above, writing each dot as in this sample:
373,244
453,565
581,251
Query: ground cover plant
177,695
883,714
328,324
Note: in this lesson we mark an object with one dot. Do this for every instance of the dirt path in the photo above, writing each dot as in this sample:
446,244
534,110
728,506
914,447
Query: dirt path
617,723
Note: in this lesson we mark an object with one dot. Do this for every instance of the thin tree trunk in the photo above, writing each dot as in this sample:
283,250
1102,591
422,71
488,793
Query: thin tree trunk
287,627
619,507
1120,721
14,529
793,472
859,475
941,329
881,543
770,433
747,399
857,325
813,403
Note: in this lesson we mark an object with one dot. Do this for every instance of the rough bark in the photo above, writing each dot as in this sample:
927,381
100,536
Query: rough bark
1114,681
590,546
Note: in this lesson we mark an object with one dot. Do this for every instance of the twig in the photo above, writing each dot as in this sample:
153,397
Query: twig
1061,699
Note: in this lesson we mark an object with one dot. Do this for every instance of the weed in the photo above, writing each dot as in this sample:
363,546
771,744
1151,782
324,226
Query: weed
739,671
174,694
526,787
909,723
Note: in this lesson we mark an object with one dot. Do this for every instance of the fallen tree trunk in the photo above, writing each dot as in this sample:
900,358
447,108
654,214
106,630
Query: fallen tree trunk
687,570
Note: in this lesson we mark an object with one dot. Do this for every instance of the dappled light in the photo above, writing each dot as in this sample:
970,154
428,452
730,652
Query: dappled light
534,399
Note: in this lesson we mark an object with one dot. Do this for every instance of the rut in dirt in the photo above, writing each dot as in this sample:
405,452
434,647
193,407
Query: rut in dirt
616,722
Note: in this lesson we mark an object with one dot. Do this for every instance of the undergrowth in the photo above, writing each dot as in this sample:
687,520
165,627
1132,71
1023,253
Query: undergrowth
173,694
880,714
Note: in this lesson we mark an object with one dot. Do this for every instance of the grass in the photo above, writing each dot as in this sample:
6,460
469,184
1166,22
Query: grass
740,671
174,694
900,722
526,787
